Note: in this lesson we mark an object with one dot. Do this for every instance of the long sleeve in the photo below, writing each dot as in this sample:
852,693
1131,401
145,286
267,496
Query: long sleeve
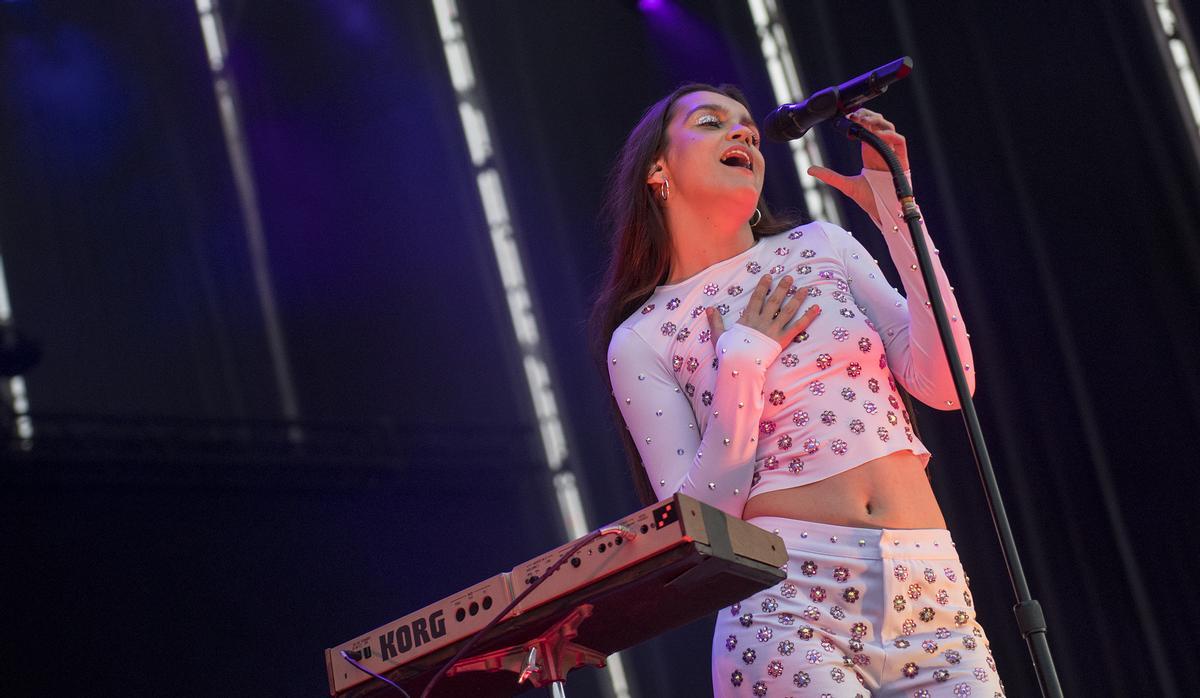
715,466
906,326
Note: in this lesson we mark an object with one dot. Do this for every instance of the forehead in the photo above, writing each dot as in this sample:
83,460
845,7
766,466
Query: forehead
693,100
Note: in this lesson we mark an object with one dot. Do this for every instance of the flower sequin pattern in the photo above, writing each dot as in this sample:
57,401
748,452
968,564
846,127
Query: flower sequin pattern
776,397
775,668
841,334
824,361
854,369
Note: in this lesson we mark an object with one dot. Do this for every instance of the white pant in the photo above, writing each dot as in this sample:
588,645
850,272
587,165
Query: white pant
863,612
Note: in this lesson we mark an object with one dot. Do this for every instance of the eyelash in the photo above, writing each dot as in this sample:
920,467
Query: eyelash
710,120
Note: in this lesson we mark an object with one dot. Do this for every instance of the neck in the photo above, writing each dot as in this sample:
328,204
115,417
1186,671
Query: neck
700,239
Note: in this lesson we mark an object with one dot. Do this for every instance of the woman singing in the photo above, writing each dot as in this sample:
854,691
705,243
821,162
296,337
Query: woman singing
755,366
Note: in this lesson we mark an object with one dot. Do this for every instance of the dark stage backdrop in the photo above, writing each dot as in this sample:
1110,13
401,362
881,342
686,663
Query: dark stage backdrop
1047,155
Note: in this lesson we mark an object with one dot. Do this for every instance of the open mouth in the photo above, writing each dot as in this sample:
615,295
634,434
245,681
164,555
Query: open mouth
736,157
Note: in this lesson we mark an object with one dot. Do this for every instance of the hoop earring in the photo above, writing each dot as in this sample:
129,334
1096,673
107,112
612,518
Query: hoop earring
665,190
757,217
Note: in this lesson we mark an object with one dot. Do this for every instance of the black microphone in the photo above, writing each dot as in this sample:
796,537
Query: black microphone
791,121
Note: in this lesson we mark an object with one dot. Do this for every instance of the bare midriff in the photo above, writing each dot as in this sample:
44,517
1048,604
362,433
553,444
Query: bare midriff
888,492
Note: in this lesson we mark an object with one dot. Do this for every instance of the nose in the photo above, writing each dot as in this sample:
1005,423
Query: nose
741,132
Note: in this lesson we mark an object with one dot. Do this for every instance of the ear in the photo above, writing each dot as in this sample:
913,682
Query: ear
658,172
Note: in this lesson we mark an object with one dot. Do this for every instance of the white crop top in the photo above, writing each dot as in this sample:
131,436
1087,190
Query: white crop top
722,422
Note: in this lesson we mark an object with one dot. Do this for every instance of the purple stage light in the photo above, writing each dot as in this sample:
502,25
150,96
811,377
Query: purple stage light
689,48
652,5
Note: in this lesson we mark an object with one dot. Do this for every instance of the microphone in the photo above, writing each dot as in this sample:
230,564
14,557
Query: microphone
791,121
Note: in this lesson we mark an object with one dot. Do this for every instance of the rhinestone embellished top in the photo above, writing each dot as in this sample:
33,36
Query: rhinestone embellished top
723,421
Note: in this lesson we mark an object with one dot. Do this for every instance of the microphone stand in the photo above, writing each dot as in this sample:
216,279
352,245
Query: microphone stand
1030,619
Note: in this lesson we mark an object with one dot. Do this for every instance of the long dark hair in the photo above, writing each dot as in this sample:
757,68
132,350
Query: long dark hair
640,256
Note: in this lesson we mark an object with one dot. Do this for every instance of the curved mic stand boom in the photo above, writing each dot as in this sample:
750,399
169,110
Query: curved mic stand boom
1030,619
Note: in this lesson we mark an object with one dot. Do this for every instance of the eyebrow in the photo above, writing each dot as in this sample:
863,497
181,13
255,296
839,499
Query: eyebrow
747,121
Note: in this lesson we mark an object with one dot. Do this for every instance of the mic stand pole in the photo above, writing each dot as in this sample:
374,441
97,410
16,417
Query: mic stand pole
1030,620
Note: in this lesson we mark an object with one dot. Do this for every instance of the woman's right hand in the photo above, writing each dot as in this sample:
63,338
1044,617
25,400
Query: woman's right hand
769,312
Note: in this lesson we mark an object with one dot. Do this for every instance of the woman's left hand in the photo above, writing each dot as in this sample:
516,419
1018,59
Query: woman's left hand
856,187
